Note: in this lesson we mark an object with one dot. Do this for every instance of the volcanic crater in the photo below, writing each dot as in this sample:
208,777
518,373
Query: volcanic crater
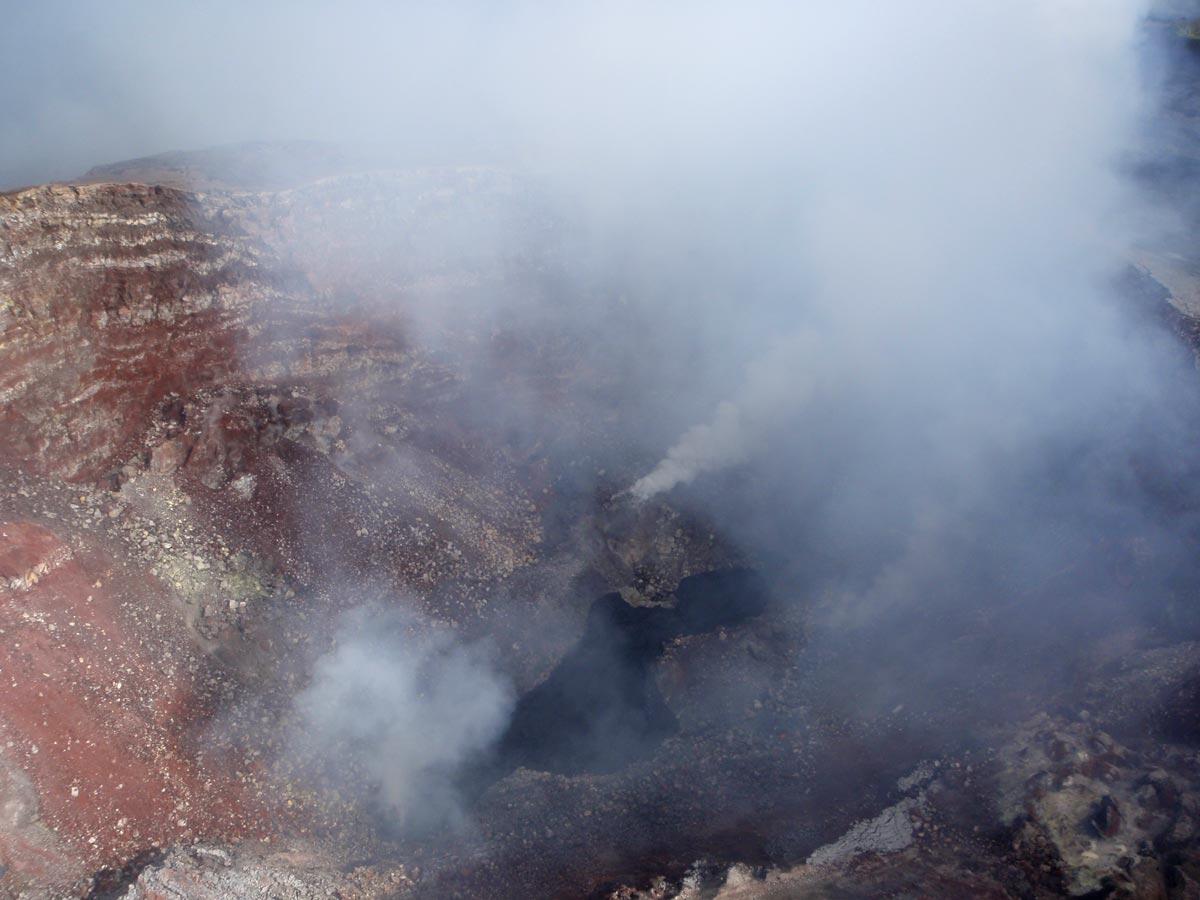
228,420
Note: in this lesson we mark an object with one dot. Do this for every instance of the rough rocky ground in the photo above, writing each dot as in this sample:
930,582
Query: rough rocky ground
234,406
207,458
1054,807
208,454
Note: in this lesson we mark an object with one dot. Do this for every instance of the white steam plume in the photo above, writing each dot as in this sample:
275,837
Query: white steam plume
779,384
405,706
957,212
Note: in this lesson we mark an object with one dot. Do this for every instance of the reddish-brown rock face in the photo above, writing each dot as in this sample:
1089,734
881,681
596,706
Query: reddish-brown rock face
146,333
143,325
113,296
221,414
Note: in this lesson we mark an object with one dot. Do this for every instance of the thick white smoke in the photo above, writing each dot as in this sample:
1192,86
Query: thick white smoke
958,204
404,706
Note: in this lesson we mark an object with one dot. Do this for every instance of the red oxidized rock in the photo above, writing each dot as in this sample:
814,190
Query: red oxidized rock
170,455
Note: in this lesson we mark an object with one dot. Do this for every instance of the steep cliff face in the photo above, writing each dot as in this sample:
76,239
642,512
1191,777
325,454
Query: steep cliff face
145,326
113,298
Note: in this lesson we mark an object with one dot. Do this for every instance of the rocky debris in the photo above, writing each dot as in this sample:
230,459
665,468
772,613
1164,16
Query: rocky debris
1107,818
888,832
1058,807
1167,291
1155,690
96,708
203,872
1107,813
935,872
654,546
170,455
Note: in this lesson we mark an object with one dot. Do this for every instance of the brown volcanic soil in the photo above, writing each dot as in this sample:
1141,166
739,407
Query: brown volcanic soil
98,701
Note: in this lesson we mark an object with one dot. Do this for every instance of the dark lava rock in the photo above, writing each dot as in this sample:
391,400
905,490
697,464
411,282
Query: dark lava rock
1107,820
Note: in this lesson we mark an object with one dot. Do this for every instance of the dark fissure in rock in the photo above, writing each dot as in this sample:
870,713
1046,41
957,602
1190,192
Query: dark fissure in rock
600,708
114,882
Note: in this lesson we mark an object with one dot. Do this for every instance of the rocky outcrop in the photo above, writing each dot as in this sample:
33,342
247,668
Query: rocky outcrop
1099,808
1056,807
216,873
112,297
